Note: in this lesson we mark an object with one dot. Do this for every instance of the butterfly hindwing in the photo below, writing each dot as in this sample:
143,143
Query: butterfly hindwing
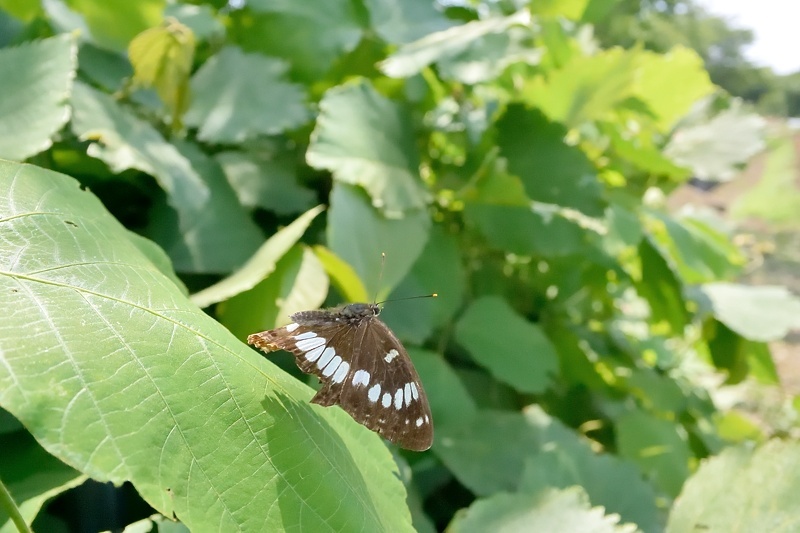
362,366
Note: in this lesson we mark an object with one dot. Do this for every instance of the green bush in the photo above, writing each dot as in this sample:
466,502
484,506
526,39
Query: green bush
269,153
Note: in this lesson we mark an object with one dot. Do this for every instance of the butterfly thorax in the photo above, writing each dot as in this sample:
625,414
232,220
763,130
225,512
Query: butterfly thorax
351,314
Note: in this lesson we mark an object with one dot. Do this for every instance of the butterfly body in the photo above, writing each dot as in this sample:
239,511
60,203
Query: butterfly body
363,368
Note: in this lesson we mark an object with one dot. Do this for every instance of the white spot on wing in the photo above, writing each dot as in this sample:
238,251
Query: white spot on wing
309,344
332,367
306,335
374,392
341,372
407,393
386,401
314,354
327,355
414,391
398,399
427,419
361,377
391,355
418,422
293,326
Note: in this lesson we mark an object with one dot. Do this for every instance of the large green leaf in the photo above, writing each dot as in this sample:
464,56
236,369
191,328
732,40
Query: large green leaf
37,79
514,350
742,489
230,108
359,234
444,389
311,35
31,475
368,140
116,373
587,88
260,265
551,510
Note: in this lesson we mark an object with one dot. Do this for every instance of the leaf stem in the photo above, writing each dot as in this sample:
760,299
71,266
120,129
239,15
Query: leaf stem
8,505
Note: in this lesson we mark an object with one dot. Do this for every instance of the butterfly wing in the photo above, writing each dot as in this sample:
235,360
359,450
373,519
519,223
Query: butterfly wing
364,368
384,391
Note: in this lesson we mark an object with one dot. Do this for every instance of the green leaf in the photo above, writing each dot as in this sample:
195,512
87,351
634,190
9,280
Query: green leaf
115,372
123,141
193,238
571,9
281,28
270,183
657,73
403,22
32,476
368,140
694,251
742,489
37,82
162,58
585,89
551,510
230,108
716,150
551,171
342,275
113,23
657,446
514,350
358,234
450,401
201,19
610,482
765,313
661,288
156,255
260,265
298,283
448,44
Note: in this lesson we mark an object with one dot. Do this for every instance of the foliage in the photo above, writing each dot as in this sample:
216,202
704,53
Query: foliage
496,155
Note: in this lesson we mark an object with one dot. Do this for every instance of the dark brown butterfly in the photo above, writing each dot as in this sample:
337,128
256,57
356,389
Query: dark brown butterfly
362,367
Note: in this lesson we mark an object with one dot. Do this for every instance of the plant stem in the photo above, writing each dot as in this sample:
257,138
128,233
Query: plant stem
8,505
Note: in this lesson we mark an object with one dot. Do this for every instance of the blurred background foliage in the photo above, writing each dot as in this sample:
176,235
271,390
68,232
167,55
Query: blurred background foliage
599,354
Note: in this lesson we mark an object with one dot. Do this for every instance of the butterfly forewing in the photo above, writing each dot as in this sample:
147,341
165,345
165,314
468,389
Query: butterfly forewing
362,366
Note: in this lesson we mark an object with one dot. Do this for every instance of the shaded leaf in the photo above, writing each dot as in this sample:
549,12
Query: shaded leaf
202,19
551,510
658,446
551,171
365,139
267,183
230,108
32,476
358,234
113,370
443,388
514,350
37,82
193,238
335,25
113,23
260,265
742,489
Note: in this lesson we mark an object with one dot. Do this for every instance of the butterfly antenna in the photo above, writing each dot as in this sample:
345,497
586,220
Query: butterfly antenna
380,277
432,295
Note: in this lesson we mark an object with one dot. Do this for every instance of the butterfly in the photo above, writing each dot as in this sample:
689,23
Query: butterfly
363,368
